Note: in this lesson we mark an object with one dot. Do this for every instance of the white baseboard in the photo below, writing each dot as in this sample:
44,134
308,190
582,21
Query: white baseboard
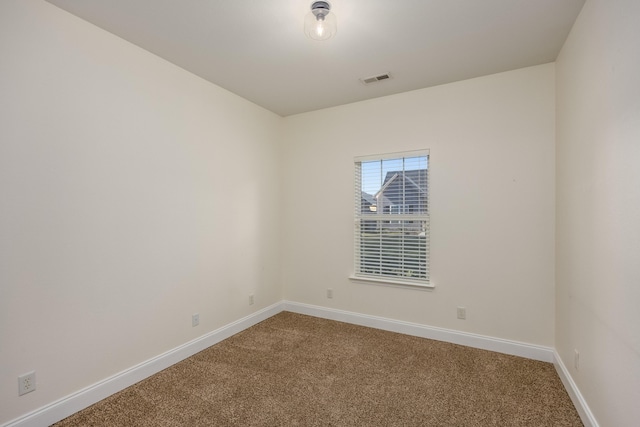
86,397
545,354
574,393
514,348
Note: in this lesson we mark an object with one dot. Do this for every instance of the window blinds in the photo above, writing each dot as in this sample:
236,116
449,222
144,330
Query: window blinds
392,218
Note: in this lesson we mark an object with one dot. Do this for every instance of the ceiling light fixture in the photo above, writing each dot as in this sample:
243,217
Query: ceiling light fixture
320,23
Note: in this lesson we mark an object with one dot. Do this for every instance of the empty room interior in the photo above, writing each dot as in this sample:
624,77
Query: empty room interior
174,173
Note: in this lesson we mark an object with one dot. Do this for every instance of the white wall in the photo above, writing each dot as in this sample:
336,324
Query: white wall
492,203
598,208
132,194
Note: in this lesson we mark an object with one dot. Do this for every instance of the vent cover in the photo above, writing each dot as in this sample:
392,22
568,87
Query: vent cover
374,79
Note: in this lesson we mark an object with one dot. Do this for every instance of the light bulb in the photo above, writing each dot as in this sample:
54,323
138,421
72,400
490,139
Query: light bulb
320,27
320,23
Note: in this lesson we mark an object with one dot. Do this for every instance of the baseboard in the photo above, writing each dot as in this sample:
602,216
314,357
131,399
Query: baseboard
515,348
574,393
86,397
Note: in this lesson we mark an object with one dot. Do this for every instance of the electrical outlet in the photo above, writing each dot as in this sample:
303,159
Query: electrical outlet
462,313
26,383
195,319
329,293
576,359
251,299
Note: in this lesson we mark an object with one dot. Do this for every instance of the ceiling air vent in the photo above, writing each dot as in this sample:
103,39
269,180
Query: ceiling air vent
374,79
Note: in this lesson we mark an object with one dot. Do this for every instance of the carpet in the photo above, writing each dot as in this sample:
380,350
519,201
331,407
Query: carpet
297,370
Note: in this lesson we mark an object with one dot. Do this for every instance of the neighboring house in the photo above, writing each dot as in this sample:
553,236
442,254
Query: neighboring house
402,192
367,202
368,206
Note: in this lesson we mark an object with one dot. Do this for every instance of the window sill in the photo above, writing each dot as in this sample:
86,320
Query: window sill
394,283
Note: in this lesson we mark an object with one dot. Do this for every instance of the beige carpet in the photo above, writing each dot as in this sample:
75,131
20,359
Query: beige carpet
295,370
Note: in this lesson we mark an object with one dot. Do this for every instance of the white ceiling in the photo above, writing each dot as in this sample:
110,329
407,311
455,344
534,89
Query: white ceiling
257,49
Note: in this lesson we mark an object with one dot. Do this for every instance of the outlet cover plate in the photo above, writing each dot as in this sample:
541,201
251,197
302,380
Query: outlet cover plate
26,383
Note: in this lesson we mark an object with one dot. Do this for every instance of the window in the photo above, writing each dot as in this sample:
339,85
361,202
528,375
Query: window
392,218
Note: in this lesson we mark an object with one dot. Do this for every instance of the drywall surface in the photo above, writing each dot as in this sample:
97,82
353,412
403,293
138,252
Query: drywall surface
133,194
492,204
598,208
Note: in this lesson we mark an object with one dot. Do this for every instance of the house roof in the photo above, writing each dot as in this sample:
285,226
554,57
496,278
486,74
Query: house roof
411,177
368,198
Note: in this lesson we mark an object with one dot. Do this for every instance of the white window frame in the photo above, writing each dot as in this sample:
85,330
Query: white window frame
395,279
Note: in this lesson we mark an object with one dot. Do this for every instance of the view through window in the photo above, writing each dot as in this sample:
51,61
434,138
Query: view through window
392,218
